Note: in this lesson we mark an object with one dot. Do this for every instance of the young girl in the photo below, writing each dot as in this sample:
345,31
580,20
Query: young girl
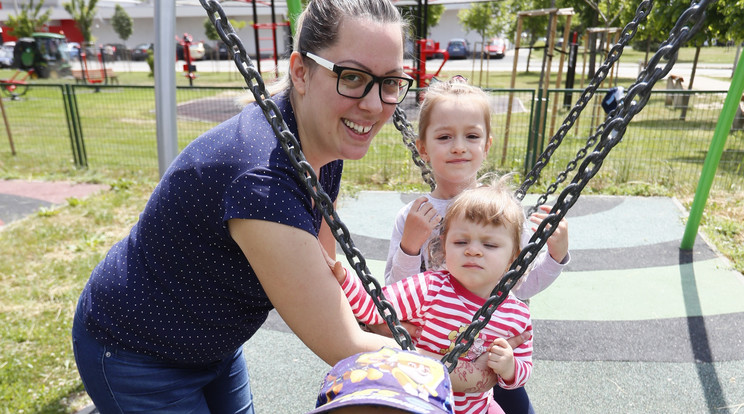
454,137
480,238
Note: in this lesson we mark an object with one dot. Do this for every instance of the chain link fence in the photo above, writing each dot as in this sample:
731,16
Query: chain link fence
110,130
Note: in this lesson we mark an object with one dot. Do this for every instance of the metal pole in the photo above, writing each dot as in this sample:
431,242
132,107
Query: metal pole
294,7
7,127
714,155
165,84
256,37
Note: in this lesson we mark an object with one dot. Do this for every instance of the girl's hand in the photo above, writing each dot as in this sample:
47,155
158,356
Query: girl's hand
558,241
501,359
420,222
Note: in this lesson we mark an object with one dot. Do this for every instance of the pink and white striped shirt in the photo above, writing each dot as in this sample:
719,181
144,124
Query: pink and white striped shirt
442,307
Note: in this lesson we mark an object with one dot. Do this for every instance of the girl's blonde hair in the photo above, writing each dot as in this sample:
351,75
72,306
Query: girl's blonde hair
492,202
457,87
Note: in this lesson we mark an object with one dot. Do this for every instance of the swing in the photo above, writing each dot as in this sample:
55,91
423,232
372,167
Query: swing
609,133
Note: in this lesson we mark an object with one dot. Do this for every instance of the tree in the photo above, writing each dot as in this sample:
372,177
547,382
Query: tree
122,23
532,26
477,18
433,15
211,32
83,14
29,20
486,19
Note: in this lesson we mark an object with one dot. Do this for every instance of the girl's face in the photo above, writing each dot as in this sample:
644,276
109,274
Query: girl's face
478,255
332,126
455,144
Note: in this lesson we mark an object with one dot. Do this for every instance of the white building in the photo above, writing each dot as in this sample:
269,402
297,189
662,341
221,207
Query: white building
190,17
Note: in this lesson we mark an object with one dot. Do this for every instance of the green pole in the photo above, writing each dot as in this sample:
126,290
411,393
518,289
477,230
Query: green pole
295,8
725,120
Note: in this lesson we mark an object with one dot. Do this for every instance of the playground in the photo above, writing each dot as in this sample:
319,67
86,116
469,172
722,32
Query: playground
634,324
635,318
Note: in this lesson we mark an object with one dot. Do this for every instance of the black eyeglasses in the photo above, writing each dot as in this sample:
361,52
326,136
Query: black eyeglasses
356,83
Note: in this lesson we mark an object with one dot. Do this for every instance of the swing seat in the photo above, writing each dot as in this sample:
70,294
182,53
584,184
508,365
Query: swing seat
95,76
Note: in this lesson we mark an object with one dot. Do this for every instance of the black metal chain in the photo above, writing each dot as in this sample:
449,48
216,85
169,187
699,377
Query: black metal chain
615,126
304,171
599,76
409,139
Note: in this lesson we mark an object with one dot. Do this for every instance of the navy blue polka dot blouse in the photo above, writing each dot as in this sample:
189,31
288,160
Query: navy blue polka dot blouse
178,286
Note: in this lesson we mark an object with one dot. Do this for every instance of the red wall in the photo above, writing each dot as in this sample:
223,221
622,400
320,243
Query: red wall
71,32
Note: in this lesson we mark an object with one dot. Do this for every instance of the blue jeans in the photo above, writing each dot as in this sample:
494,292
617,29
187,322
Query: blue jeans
513,401
120,381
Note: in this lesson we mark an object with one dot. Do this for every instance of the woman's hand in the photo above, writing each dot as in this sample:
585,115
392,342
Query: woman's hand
382,329
558,241
420,222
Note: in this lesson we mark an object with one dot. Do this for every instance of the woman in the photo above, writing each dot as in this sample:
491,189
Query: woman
161,323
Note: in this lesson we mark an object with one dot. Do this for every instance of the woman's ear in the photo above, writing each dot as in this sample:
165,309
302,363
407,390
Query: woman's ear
298,72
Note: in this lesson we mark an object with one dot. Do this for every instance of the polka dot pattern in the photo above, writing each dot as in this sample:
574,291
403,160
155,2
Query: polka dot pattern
178,286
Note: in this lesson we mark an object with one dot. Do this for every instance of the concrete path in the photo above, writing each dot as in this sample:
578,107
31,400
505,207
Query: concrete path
19,198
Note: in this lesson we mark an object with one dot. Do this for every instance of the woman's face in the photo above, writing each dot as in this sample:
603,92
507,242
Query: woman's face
332,126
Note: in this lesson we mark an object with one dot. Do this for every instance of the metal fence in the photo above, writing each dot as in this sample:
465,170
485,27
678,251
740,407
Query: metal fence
110,130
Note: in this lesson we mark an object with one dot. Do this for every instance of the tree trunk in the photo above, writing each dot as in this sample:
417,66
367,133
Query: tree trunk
694,65
686,98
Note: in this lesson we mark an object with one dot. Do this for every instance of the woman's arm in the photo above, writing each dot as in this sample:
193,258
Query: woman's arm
292,270
470,376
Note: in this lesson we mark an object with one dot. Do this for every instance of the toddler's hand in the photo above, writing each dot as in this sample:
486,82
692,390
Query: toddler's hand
501,359
558,241
336,267
339,272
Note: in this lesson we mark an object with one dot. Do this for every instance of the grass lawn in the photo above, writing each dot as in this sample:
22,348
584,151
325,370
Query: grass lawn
48,257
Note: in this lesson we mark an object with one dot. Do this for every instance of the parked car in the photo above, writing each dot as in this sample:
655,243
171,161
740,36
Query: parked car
196,49
141,51
458,49
222,50
496,48
73,49
6,54
115,51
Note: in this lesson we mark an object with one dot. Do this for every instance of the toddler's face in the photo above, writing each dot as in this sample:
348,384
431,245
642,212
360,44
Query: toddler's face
478,255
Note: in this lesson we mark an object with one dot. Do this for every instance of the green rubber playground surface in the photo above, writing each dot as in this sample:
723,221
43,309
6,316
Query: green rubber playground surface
633,325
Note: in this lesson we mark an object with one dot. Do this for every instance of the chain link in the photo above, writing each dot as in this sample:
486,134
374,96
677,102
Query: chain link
409,139
304,171
615,126
599,76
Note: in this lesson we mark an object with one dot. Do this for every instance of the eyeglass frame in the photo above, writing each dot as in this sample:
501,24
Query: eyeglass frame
375,79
